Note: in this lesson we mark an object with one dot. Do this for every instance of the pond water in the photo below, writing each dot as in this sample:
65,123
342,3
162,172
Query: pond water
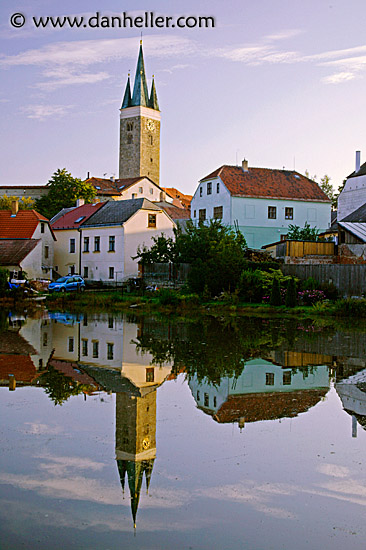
120,432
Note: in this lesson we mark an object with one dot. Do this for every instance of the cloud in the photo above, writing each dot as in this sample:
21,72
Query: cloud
36,428
42,112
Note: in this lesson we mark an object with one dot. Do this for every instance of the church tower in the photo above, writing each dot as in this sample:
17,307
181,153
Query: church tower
139,151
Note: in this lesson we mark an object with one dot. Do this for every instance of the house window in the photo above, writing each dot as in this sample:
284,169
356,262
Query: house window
286,378
151,189
269,378
209,187
111,272
133,196
218,187
215,402
95,349
112,243
206,400
129,139
96,244
46,251
110,322
218,212
152,220
202,215
150,374
72,246
42,227
194,213
201,191
84,347
272,212
85,320
86,272
86,244
289,213
110,351
72,270
140,189
45,338
198,395
71,344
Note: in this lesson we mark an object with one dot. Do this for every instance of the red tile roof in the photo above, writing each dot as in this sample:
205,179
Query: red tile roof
176,213
21,366
81,213
185,200
21,226
268,406
268,183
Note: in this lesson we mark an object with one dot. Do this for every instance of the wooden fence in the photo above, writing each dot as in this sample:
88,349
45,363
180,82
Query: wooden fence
304,248
349,279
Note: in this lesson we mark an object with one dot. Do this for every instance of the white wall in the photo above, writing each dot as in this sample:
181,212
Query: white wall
352,197
208,202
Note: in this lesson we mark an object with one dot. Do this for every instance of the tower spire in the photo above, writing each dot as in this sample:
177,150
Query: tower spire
127,97
140,96
153,101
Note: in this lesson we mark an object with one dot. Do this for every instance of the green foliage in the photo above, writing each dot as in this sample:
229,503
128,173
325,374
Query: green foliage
25,203
310,284
63,192
275,299
168,297
330,290
262,266
4,277
291,294
251,285
214,251
306,233
59,387
327,187
350,308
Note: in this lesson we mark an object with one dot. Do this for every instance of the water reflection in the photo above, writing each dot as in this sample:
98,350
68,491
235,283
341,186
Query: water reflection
239,372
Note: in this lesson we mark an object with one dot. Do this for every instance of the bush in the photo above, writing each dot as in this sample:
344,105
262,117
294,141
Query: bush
275,299
330,290
251,285
168,297
310,297
350,308
310,284
291,294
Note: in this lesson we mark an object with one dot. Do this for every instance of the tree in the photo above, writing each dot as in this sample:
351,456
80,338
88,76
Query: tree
25,203
291,294
275,298
327,187
63,192
306,233
215,252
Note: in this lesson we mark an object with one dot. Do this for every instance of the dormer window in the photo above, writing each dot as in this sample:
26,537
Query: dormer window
42,227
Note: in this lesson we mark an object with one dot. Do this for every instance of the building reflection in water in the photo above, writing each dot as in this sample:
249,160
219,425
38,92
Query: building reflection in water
69,354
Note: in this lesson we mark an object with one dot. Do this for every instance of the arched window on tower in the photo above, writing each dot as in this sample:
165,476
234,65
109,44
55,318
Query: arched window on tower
129,138
129,126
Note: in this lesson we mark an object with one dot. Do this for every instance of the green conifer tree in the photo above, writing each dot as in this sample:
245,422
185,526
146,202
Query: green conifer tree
275,299
291,294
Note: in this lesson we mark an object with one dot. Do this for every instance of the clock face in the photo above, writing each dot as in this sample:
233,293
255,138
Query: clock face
146,443
150,125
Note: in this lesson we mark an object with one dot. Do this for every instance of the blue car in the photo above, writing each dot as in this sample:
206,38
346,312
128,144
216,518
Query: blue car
68,284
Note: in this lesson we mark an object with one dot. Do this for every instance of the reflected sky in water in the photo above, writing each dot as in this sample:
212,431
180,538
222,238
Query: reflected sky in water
247,434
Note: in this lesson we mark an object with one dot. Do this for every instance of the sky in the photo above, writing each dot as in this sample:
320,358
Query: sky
278,82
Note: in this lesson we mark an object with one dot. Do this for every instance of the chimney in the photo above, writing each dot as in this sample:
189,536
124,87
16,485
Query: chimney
358,160
244,165
88,176
14,207
79,202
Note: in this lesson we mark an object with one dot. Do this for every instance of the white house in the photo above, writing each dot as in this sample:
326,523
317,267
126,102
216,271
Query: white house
98,241
260,202
128,188
353,195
